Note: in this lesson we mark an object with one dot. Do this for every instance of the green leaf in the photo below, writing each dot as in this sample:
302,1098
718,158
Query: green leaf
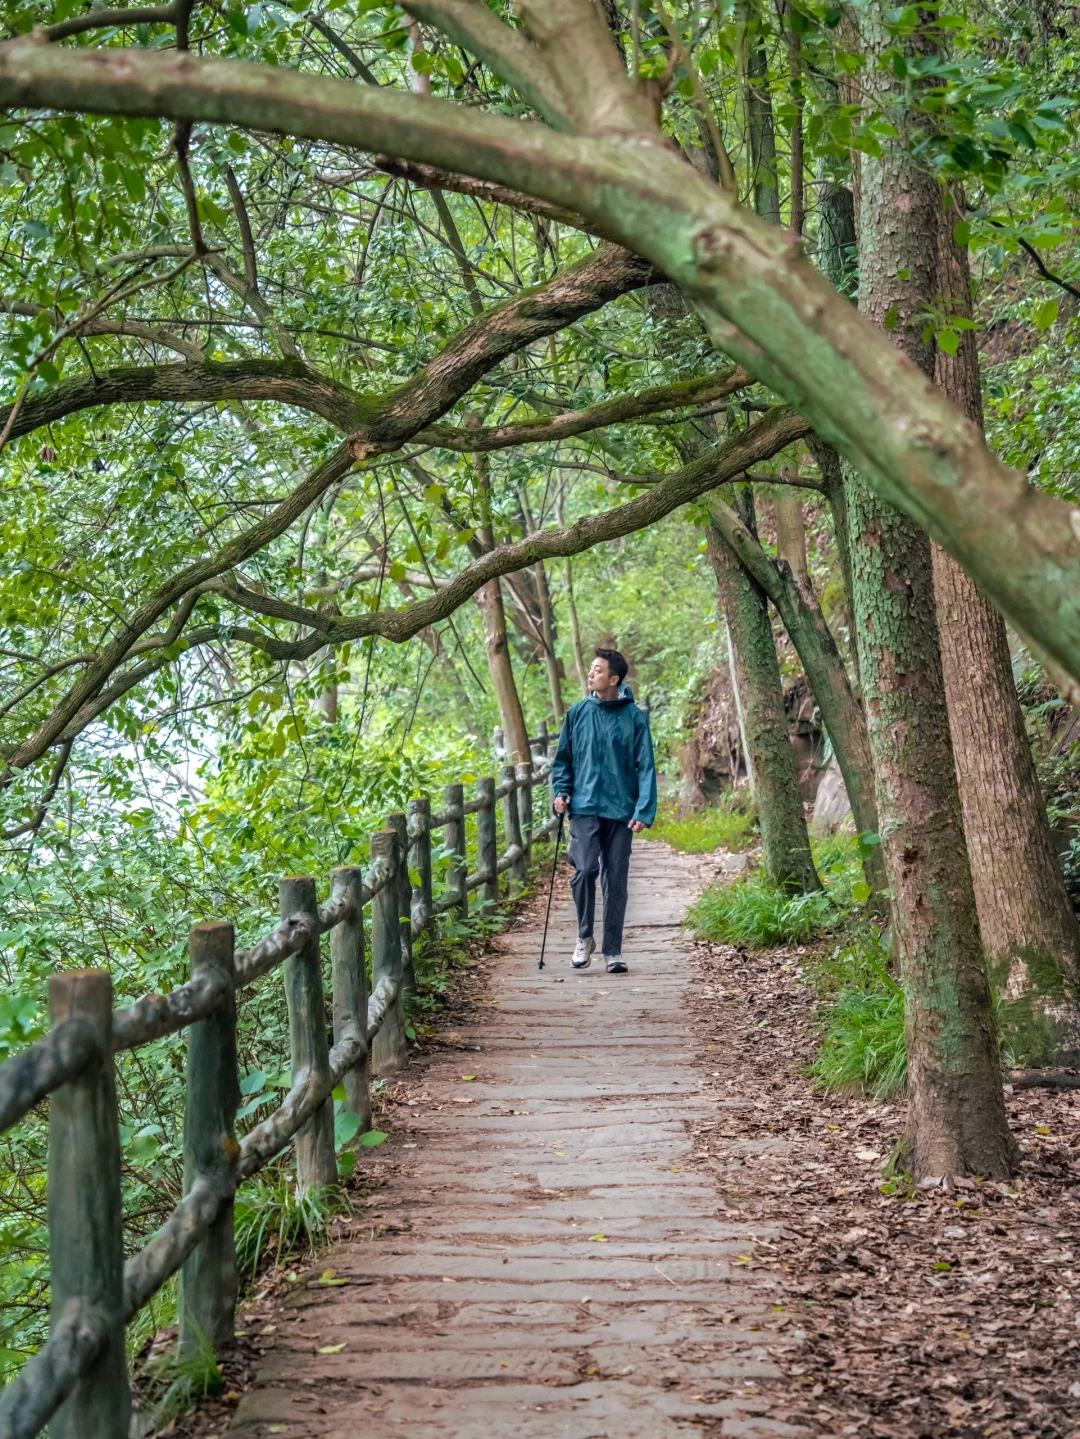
961,233
948,341
1045,314
891,318
345,1128
861,892
373,1138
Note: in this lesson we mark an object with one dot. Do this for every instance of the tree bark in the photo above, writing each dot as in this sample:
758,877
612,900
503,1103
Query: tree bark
756,671
791,532
841,711
956,1111
490,600
1028,928
575,632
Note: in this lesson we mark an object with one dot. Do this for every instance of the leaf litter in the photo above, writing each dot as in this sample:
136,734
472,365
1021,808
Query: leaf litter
917,1313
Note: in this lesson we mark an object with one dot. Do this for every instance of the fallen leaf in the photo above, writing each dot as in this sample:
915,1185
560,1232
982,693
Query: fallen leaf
331,1349
468,1078
447,1280
598,1238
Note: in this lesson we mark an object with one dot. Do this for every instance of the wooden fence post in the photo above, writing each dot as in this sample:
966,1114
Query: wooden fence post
86,1240
420,858
211,1097
525,810
454,798
400,825
316,1162
512,822
489,844
389,1050
351,990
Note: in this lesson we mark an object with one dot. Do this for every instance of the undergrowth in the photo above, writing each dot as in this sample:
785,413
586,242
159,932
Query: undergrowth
755,913
862,1015
728,824
862,1020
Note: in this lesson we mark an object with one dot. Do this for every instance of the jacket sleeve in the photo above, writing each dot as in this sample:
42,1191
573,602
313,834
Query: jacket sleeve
645,810
562,766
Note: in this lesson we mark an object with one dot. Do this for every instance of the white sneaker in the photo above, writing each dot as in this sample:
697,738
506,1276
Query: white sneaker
583,953
615,964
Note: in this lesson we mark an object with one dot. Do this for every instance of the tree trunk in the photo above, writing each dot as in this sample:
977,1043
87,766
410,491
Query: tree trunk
756,671
551,659
956,1111
575,632
791,532
1028,928
490,600
841,711
760,126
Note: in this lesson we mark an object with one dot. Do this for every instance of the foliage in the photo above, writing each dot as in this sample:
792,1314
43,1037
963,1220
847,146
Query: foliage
273,1216
862,1023
726,825
754,913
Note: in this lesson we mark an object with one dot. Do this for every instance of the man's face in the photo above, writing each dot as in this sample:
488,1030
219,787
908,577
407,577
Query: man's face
601,679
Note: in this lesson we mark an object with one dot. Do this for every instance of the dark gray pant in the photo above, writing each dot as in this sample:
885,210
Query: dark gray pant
600,847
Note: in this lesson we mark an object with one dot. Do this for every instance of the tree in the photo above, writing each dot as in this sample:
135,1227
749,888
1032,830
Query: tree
956,1114
763,304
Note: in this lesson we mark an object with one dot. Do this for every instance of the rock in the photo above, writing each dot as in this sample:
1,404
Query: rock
831,805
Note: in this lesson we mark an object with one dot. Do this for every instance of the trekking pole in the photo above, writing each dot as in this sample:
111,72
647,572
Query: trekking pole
551,891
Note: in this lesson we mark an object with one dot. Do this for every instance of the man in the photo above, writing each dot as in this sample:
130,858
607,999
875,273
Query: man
604,774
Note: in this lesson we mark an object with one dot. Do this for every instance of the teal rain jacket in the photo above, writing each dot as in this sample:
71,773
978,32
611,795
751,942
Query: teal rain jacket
604,760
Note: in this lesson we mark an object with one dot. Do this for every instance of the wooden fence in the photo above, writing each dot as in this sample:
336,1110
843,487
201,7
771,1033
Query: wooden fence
79,1380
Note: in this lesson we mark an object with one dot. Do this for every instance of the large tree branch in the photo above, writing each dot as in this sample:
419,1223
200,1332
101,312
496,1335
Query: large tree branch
386,425
731,458
594,417
289,382
387,420
763,301
779,428
249,542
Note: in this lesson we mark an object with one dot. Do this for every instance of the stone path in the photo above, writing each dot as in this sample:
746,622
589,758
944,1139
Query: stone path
552,1264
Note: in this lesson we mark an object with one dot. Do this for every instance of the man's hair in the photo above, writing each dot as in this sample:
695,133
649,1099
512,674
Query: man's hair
616,662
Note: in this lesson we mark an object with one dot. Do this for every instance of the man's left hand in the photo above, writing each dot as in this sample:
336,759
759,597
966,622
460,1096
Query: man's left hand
637,826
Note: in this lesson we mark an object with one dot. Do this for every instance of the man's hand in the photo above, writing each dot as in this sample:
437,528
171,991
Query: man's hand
562,803
637,826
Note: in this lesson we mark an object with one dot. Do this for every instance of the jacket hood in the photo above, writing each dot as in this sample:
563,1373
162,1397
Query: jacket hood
624,697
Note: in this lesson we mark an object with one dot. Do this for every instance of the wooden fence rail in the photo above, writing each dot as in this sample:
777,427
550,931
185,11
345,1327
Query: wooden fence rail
78,1383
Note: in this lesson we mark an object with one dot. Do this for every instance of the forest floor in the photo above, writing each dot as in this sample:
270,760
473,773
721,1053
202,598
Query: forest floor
615,1207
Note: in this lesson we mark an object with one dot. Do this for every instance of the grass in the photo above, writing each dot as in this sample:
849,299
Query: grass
272,1215
754,913
727,824
862,1023
862,1015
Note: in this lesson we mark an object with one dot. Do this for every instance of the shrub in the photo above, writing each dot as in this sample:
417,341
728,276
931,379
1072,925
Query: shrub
728,824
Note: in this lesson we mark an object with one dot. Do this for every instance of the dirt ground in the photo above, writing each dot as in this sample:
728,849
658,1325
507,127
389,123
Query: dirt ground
927,1314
